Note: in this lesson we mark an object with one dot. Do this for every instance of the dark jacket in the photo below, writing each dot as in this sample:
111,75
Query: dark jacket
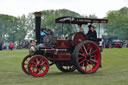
91,35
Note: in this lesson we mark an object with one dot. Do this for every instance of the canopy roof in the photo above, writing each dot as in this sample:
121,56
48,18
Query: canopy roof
76,20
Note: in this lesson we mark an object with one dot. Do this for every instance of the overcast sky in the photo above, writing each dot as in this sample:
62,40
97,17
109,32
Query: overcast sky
84,7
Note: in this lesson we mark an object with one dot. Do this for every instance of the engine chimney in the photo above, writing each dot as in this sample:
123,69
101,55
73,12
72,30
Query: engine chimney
37,26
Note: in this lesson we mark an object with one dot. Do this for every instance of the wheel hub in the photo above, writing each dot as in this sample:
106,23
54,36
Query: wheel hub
88,57
38,66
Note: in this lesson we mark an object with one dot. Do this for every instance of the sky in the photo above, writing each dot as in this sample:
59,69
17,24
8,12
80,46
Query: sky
84,7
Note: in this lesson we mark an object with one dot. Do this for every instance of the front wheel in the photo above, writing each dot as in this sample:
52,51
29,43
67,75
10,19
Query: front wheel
86,57
38,66
25,63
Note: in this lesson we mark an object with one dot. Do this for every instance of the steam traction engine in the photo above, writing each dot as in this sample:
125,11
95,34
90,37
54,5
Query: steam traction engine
69,53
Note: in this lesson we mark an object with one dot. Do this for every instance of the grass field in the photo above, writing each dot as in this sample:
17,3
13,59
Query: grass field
114,71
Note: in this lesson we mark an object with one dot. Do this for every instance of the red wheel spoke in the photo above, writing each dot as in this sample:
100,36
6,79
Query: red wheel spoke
93,52
40,60
90,51
85,49
33,62
82,54
83,65
80,58
37,61
42,63
33,66
93,56
93,60
82,61
38,70
43,66
88,47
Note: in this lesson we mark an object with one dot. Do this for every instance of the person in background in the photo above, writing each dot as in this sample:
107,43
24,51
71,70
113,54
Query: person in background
80,28
11,46
7,45
91,35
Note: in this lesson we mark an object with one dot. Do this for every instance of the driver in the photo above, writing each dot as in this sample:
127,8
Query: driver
91,35
80,28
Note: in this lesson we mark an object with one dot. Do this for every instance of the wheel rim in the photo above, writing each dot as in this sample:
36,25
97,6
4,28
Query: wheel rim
89,57
38,66
25,63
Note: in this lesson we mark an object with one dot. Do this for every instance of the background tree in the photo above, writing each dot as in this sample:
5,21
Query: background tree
8,25
118,23
20,28
49,16
26,27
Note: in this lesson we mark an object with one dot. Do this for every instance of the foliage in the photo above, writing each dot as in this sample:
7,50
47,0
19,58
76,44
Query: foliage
8,25
20,28
49,16
118,23
26,27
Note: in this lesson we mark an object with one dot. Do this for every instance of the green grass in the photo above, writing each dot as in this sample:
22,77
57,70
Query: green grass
114,71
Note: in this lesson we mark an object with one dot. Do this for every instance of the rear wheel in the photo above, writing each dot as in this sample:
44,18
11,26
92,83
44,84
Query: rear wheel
25,63
86,57
38,66
63,68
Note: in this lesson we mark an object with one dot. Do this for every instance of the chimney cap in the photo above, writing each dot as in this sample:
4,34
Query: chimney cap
37,14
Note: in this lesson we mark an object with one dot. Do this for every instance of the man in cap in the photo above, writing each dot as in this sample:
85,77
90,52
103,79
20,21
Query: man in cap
91,35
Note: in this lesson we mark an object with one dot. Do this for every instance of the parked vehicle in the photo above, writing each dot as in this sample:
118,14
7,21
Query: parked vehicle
107,42
117,44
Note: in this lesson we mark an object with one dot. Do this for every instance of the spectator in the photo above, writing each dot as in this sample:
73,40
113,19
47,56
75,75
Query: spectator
7,45
11,46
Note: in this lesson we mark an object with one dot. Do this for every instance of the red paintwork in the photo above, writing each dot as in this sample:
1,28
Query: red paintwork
62,43
53,50
80,36
61,57
72,41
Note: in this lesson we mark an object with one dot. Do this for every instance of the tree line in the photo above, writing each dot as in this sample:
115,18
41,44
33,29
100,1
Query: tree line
18,28
118,23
